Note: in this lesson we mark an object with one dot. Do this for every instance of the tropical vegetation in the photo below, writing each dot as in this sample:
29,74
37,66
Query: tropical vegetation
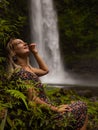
78,27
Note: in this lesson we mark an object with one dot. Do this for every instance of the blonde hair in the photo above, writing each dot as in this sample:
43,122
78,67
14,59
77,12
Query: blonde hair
11,65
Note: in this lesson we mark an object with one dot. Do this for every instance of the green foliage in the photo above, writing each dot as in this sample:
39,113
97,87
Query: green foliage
13,23
61,96
78,26
13,19
78,30
18,95
23,115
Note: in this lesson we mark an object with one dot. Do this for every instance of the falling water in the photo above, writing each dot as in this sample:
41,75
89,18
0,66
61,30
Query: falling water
44,32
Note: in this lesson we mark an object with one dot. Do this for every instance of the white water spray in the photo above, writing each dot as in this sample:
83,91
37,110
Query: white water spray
45,33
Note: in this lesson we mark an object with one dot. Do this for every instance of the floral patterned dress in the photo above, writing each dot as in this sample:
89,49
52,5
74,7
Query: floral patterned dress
77,109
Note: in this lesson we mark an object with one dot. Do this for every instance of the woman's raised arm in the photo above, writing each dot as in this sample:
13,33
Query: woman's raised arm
43,68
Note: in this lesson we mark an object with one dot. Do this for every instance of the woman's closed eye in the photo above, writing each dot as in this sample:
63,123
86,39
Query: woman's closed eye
18,43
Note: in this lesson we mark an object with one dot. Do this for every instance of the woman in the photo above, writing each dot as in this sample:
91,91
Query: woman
18,57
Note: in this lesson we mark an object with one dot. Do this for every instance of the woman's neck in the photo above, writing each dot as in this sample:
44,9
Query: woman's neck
23,62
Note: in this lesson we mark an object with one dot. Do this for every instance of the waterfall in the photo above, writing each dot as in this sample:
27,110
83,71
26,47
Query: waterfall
44,32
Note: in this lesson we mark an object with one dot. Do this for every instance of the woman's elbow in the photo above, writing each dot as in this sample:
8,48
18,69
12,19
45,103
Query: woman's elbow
46,71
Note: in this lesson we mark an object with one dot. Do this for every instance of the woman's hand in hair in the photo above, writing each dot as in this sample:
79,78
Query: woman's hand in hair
33,48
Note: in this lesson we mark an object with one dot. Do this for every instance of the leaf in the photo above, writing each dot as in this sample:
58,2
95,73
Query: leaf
2,125
19,95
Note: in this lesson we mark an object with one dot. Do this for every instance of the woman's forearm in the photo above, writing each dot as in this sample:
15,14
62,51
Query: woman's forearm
44,104
61,108
38,100
41,63
43,68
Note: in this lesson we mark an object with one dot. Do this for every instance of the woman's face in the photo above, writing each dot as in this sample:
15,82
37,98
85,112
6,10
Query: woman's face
20,47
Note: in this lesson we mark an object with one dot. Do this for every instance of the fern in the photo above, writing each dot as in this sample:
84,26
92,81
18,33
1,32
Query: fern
19,95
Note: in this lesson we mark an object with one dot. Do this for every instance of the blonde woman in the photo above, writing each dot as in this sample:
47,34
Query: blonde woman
18,57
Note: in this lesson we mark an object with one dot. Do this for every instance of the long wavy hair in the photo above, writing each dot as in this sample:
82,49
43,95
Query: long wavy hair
11,58
11,62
